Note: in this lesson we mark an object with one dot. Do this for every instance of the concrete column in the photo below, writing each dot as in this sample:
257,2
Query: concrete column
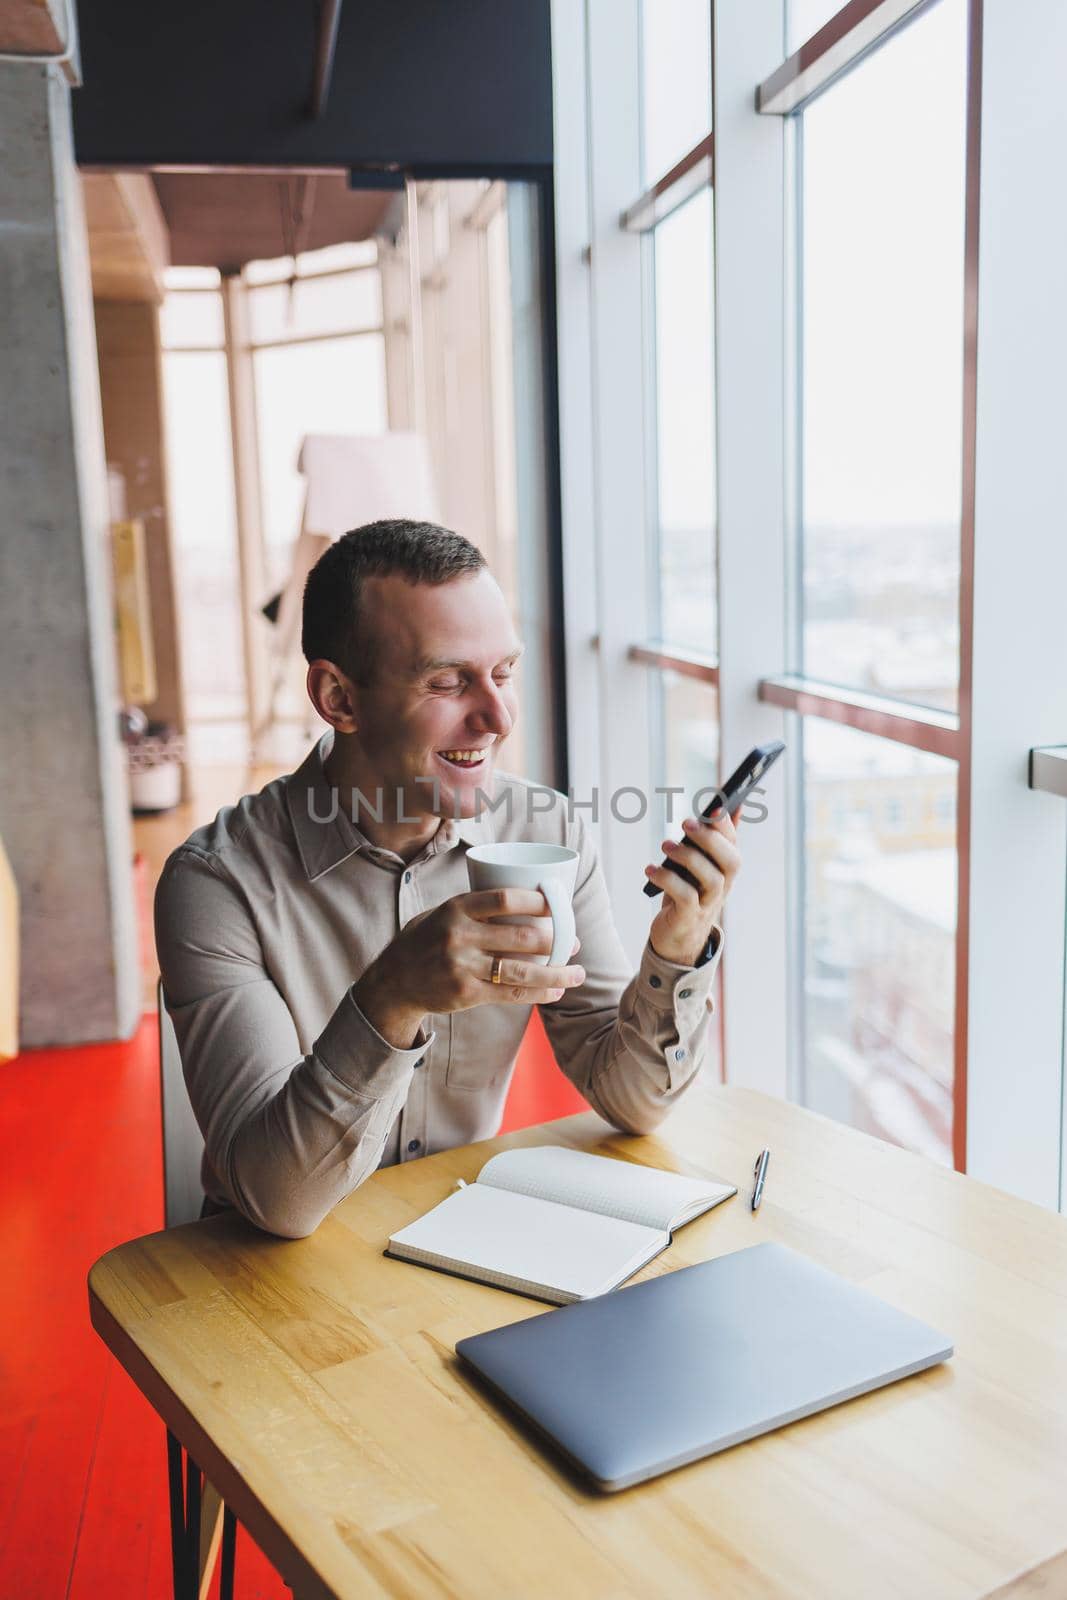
64,812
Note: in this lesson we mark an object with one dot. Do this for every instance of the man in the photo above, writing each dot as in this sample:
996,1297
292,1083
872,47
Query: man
328,971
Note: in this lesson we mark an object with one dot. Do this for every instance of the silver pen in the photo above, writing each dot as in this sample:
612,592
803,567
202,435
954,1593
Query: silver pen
760,1175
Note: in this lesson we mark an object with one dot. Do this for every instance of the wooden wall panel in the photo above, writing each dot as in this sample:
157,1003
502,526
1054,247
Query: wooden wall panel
127,334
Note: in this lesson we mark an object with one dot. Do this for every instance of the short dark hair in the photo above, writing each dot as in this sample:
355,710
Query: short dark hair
334,627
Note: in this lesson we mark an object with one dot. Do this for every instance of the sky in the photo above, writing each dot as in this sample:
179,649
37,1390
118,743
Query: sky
882,265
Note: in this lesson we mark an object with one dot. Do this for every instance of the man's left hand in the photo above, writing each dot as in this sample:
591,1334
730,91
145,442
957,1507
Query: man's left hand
710,853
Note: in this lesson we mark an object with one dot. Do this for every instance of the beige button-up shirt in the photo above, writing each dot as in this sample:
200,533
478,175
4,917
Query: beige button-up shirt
267,917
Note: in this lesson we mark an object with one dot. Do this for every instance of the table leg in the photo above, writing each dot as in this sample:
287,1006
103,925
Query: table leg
197,1520
192,1523
178,1543
229,1553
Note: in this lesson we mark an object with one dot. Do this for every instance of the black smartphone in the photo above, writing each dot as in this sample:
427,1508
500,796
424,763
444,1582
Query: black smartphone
734,791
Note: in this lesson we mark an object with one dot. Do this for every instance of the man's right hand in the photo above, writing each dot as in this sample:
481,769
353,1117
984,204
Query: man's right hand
443,960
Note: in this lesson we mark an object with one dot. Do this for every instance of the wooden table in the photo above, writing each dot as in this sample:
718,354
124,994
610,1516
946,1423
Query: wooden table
315,1381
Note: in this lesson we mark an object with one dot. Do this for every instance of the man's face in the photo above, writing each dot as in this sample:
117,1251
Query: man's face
441,700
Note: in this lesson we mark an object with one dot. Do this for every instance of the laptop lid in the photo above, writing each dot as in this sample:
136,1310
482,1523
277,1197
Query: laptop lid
661,1373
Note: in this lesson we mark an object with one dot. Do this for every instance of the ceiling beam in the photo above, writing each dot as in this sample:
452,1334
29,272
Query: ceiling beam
129,246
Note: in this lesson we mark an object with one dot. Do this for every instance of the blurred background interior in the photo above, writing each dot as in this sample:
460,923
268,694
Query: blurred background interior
675,310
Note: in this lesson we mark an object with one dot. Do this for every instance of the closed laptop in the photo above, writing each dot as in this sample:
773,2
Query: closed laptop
658,1374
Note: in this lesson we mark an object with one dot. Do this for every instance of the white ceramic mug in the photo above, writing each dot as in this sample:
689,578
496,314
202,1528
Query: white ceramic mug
552,868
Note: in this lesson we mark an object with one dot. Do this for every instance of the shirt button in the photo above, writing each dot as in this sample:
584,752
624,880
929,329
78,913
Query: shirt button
407,877
413,1145
683,994
654,982
679,1055
421,1062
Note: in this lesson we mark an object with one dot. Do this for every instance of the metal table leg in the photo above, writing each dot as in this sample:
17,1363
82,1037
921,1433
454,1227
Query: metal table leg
186,1483
229,1554
192,1524
178,1543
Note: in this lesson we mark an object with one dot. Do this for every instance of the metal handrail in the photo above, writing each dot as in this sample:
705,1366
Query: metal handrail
694,172
858,28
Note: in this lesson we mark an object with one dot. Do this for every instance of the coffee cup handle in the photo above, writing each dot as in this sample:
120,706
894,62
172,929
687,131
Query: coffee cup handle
563,930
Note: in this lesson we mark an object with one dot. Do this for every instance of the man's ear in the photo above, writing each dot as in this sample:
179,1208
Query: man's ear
333,695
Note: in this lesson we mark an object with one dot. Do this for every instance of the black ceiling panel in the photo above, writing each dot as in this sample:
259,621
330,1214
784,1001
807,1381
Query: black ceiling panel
441,86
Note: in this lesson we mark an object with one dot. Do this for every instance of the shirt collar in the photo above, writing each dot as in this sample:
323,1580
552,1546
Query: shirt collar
325,834
465,830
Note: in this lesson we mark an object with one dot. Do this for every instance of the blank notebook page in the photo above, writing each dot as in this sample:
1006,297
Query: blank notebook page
600,1183
580,1253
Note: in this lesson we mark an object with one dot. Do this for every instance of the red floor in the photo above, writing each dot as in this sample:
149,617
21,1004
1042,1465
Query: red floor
83,1512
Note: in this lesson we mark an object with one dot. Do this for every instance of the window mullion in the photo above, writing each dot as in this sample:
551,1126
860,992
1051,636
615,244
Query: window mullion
749,343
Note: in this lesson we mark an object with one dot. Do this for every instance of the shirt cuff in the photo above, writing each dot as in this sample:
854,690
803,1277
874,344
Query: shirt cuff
356,1053
671,987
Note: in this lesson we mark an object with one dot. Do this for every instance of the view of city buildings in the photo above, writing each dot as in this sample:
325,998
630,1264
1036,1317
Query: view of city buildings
879,819
881,610
879,866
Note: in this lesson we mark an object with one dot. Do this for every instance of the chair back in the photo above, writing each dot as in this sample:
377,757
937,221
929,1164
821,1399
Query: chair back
183,1143
9,960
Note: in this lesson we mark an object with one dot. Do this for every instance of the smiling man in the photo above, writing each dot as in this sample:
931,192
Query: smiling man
327,968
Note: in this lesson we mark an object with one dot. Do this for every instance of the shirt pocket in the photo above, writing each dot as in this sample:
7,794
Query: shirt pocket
483,1043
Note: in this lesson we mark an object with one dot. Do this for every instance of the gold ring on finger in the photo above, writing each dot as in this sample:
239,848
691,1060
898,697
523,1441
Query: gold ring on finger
494,975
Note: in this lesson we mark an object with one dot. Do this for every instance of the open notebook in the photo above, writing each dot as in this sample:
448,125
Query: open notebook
556,1224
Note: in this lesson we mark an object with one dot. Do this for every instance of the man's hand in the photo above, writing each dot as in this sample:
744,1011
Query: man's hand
710,853
443,961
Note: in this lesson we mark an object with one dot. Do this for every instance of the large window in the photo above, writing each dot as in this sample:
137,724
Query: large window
689,724
685,732
316,348
866,564
201,503
318,354
675,215
879,853
684,523
882,276
334,386
879,246
675,81
844,489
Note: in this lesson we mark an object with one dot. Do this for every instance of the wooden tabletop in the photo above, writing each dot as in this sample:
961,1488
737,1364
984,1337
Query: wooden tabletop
315,1381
